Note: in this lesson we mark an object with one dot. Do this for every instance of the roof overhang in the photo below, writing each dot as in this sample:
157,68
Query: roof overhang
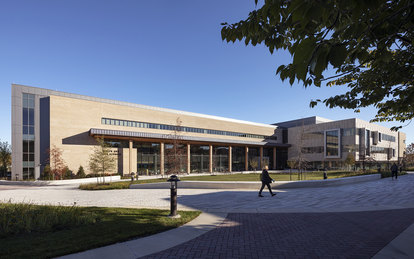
145,135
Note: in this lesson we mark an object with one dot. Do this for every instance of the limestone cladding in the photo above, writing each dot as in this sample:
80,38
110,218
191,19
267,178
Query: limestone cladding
381,144
312,136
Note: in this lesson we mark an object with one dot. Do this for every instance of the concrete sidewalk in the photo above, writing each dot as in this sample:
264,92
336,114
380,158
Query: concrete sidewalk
152,244
220,206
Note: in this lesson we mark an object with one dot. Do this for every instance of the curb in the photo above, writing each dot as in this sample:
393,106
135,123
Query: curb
60,182
256,185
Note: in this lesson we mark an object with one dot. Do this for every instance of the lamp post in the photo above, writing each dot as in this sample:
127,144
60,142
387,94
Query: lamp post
173,180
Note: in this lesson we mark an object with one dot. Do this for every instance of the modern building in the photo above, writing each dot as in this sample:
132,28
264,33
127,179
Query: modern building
324,143
142,137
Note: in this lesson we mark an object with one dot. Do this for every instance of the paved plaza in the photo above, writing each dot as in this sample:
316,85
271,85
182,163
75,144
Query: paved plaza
372,195
296,235
348,221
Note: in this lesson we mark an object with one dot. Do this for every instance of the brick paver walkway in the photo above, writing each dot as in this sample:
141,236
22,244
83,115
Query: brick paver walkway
297,235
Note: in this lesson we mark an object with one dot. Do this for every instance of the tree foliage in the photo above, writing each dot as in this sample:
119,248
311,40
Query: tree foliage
350,159
46,174
409,155
101,160
56,162
176,156
5,156
410,149
81,172
369,44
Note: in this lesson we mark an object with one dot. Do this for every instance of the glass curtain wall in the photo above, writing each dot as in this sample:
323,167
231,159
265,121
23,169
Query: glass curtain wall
28,136
199,158
175,159
238,158
220,159
332,143
148,158
254,158
268,158
281,158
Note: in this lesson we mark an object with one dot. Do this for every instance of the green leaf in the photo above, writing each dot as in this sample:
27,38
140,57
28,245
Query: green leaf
337,55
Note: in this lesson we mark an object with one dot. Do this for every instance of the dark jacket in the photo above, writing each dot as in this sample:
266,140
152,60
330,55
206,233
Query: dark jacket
265,177
394,168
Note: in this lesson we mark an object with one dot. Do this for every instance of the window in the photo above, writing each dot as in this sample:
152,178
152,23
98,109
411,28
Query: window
312,150
169,127
349,132
28,124
332,143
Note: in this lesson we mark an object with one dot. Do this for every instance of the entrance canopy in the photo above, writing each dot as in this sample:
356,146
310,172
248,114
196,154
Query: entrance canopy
137,134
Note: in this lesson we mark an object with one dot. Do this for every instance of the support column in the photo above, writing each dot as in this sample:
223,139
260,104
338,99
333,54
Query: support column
211,158
274,158
261,165
130,156
162,159
246,162
230,159
188,159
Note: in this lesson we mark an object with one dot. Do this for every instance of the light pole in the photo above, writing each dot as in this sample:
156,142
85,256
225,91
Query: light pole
173,180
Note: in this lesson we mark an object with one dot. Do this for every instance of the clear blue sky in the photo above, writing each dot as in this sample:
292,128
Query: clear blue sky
160,53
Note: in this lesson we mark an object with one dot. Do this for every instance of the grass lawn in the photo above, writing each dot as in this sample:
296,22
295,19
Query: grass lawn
34,231
317,175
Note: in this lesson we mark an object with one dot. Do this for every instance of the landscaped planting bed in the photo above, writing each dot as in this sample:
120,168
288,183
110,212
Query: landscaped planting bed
37,231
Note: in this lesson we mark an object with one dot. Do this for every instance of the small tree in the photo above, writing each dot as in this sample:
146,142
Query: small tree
81,172
5,157
350,160
408,159
254,164
301,162
291,165
177,155
101,160
56,162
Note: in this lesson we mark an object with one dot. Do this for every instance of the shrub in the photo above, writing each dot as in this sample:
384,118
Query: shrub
46,174
385,174
67,173
81,172
25,218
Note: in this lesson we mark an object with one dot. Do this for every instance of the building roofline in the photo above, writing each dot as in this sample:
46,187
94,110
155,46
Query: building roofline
303,119
103,100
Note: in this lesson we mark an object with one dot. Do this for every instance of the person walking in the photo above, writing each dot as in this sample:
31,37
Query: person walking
266,180
394,171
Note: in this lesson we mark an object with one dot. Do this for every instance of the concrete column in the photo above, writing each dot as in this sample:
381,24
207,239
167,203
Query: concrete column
261,158
274,158
188,159
230,159
246,163
162,159
130,156
211,159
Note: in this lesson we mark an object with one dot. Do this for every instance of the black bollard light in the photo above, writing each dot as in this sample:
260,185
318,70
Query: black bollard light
173,180
325,175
